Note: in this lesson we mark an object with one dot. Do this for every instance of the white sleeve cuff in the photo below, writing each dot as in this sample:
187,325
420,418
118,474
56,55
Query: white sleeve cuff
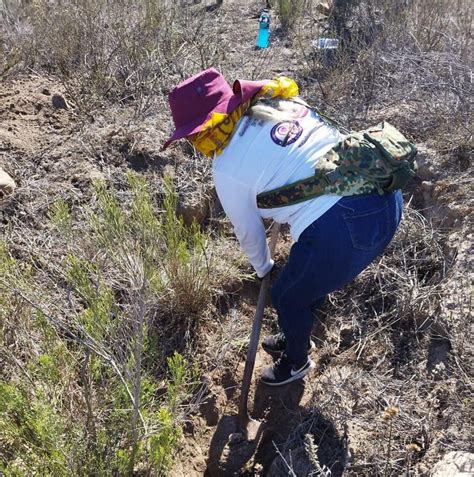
261,272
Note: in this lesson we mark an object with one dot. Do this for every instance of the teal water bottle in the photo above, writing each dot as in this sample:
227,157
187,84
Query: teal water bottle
263,29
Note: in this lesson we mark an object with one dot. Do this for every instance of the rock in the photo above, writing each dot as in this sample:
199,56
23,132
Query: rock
45,91
96,175
454,464
7,184
427,189
193,209
83,179
59,102
324,7
7,187
424,160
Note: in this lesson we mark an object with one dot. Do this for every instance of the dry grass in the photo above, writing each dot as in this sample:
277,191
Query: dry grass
405,59
384,343
107,52
397,337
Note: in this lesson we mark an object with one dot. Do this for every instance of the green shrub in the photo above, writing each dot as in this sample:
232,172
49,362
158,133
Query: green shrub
164,443
91,404
97,298
60,216
188,269
31,433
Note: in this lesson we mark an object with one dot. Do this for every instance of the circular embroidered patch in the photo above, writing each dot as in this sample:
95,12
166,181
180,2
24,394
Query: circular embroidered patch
286,133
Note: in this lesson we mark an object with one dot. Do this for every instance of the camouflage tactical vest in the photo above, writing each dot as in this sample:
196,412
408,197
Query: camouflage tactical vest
376,159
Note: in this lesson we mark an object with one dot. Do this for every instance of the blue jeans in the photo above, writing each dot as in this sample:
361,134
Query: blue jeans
329,254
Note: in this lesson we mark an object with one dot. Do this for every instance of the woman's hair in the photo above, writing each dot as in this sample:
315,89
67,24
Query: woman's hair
274,110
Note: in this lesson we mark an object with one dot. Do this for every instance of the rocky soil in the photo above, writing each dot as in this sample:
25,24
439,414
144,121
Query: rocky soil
419,365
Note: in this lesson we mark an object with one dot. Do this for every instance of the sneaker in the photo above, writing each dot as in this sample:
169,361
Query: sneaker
283,372
275,345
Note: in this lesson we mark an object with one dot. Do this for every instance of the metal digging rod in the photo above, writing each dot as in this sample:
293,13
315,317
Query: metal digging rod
248,426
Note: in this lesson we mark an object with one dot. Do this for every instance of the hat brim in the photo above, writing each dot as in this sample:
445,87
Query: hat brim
187,130
243,91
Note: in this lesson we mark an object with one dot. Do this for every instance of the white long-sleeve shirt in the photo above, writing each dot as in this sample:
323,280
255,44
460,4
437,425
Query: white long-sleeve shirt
258,159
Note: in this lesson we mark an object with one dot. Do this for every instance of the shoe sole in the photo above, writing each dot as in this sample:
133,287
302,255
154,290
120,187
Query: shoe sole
296,377
277,354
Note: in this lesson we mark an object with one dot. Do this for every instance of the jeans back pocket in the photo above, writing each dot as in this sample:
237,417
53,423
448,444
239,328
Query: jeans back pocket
369,229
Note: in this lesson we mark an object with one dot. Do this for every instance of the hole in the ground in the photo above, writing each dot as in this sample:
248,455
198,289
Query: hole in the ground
438,355
141,161
138,162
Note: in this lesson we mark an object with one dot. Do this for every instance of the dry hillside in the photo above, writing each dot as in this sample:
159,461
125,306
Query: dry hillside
125,302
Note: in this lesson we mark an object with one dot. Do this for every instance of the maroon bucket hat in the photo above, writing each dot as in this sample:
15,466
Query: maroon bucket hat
194,100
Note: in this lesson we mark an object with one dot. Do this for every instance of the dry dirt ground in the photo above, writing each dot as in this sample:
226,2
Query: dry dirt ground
424,370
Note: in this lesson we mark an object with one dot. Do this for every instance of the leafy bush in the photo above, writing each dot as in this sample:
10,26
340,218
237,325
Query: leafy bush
32,433
127,264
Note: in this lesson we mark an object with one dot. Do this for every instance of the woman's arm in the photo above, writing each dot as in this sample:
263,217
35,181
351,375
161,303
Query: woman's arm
240,205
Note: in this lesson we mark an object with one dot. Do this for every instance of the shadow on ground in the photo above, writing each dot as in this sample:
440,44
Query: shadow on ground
281,412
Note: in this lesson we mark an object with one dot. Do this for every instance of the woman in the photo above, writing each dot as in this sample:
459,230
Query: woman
261,137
